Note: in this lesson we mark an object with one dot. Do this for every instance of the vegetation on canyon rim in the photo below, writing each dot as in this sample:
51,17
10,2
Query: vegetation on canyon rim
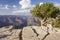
45,12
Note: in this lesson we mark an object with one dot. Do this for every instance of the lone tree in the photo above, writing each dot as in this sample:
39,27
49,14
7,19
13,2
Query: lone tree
44,12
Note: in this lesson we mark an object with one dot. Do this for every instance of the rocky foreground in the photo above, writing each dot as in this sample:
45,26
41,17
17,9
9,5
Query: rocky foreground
29,33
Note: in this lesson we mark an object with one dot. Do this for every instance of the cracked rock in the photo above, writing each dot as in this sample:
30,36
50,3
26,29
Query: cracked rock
28,34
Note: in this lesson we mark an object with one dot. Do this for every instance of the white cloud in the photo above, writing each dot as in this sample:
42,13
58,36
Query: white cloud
25,4
8,7
25,7
41,3
22,11
4,7
57,4
14,6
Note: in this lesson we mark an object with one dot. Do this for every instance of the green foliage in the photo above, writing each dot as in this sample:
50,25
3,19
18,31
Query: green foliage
57,24
45,10
39,23
35,11
58,17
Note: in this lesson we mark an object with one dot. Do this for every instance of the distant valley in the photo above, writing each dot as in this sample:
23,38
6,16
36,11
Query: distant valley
17,21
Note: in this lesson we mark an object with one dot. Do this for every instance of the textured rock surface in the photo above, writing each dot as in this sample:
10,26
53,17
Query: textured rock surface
40,31
7,34
29,33
55,36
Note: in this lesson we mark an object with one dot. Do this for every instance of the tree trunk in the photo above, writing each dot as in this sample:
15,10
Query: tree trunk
41,21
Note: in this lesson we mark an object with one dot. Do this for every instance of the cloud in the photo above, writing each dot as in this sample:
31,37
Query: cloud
4,7
57,4
40,3
21,11
8,7
25,7
25,4
14,6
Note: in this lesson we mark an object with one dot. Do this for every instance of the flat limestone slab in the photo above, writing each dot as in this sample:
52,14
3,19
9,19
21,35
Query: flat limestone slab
28,34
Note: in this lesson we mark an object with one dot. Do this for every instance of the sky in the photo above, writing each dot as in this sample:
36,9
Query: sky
21,7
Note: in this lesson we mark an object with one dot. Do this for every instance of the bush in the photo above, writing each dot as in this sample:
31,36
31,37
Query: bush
57,24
